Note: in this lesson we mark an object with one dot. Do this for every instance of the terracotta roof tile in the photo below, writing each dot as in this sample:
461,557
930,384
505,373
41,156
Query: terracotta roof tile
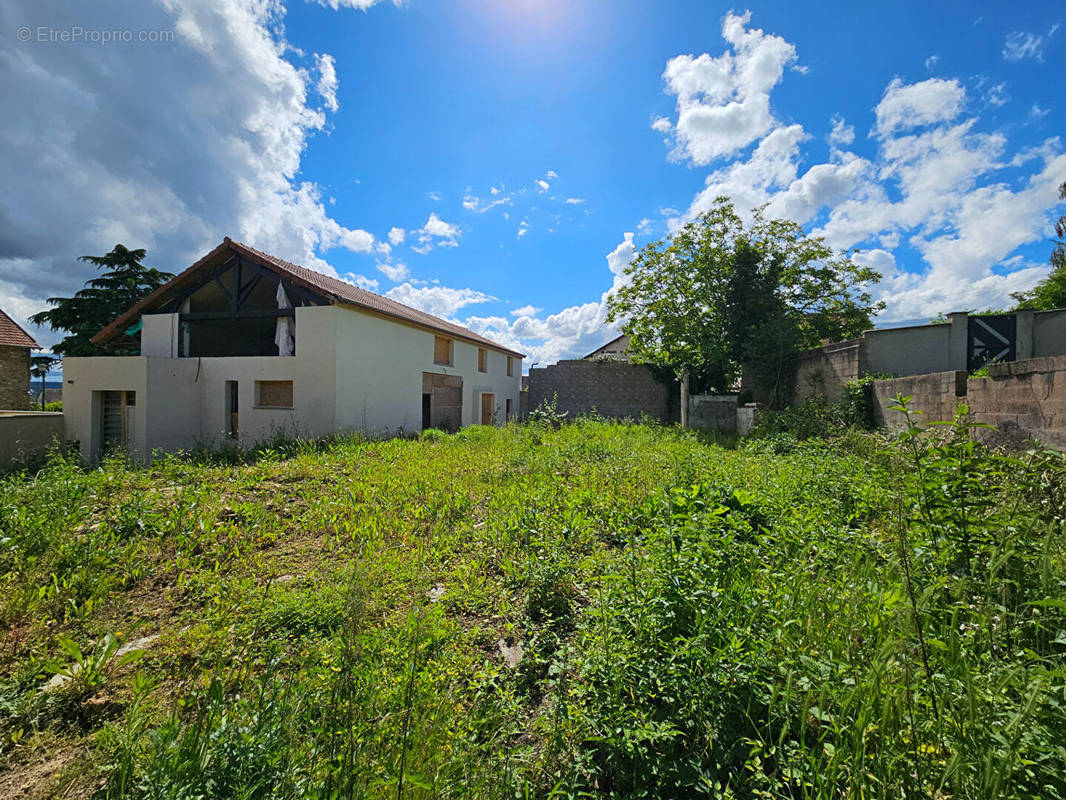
12,335
333,288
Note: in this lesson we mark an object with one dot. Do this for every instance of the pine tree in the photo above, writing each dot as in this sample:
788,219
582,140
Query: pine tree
124,282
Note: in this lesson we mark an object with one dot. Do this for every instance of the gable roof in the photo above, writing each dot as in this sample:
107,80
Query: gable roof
603,348
12,335
331,289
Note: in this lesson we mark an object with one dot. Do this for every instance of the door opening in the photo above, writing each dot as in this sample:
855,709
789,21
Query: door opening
488,407
232,404
427,410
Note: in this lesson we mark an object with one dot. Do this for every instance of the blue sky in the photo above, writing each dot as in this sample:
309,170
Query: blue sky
498,163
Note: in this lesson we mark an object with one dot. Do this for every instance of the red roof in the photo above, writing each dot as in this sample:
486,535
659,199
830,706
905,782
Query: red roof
11,335
333,289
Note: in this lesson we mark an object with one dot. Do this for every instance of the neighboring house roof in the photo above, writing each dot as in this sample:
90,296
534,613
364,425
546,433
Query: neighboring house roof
11,335
608,349
333,289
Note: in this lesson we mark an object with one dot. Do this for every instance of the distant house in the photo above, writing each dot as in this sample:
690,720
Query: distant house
617,348
245,346
15,346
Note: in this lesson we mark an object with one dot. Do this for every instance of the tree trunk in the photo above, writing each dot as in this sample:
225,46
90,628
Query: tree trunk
684,399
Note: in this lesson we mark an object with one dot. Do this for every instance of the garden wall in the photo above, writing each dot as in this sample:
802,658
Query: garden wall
1023,400
613,388
26,435
713,412
824,371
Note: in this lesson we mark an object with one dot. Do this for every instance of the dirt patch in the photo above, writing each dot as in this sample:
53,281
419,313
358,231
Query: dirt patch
66,773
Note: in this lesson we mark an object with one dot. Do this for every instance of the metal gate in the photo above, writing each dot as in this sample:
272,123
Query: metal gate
991,337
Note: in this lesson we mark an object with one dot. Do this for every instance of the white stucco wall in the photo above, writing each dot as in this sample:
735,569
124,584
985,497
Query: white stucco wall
352,371
379,374
83,379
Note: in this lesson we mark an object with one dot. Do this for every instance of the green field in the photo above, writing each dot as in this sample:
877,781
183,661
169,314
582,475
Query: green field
598,610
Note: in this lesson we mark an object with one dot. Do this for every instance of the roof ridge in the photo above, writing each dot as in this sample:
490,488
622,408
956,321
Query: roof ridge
339,289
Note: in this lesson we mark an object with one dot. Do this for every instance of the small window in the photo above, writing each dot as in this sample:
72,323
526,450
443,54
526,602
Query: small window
510,367
482,360
131,398
442,350
273,394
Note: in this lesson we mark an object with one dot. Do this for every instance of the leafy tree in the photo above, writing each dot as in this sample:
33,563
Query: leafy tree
720,295
39,368
1050,292
124,282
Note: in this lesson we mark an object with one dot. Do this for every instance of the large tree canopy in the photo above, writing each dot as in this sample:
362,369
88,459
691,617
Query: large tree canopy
1050,292
720,295
124,282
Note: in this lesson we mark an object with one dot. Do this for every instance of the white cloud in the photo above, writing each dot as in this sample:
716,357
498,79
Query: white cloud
523,227
551,175
723,103
931,62
905,106
842,135
569,333
934,185
662,125
644,227
542,185
1036,112
362,281
441,301
498,196
396,236
1020,45
240,107
394,272
327,80
436,233
575,201
998,95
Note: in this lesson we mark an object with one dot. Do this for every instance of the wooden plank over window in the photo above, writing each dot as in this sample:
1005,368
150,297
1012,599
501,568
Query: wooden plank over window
442,350
274,394
482,360
510,366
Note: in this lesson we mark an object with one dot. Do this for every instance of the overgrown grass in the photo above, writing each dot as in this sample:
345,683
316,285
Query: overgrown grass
597,610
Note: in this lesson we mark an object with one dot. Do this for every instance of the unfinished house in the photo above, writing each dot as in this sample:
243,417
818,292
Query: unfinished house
244,346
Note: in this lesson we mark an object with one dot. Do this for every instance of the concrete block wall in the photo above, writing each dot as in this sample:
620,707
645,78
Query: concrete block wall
937,395
27,436
14,378
613,388
824,371
1024,400
713,412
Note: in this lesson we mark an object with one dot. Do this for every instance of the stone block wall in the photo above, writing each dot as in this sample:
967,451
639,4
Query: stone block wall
613,388
14,378
937,395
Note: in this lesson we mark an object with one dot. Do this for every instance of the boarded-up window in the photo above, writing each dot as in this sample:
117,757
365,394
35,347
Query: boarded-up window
273,394
442,350
482,360
510,367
